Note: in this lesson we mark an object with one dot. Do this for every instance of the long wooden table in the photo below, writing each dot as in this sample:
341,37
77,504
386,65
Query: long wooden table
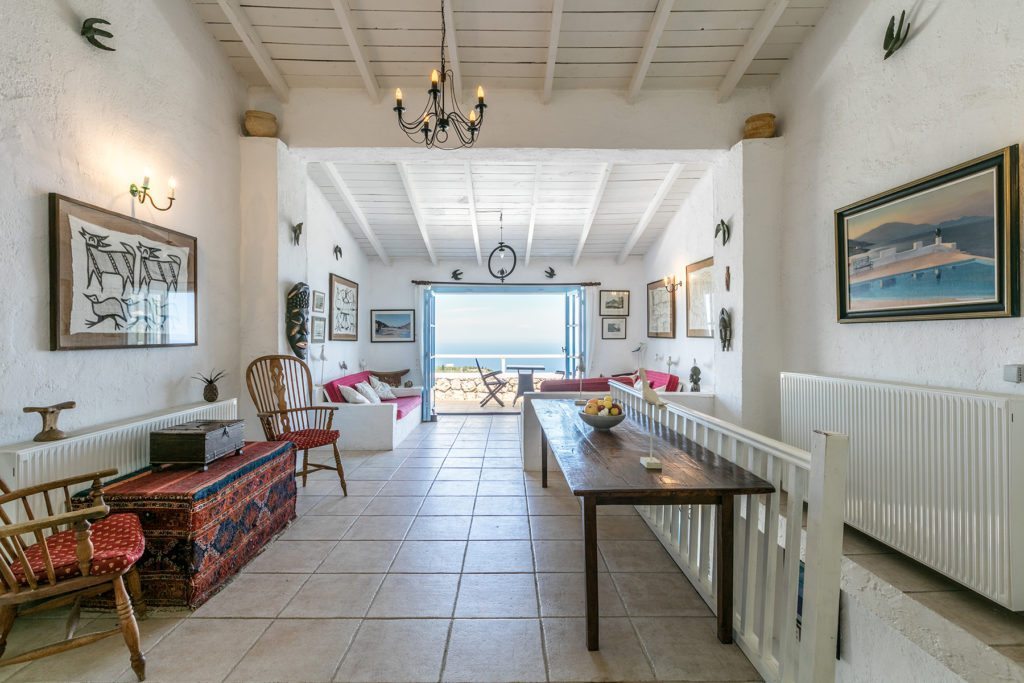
603,468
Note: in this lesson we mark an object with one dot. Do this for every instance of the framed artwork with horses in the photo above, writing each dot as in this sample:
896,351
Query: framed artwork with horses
117,282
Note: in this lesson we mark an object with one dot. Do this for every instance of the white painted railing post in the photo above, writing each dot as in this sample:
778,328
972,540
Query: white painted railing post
826,503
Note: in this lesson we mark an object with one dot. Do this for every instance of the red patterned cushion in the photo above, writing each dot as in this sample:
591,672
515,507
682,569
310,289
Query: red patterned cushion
310,438
117,543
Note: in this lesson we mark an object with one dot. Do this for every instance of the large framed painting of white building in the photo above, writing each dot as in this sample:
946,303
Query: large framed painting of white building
118,282
945,246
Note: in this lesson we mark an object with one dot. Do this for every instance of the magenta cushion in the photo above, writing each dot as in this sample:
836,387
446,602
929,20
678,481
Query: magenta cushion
334,393
658,380
406,404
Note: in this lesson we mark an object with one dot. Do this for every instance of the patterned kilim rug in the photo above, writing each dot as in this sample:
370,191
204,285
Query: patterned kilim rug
202,527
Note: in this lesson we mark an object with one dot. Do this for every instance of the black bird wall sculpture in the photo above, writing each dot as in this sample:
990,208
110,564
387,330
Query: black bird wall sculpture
456,274
296,233
550,273
337,253
93,34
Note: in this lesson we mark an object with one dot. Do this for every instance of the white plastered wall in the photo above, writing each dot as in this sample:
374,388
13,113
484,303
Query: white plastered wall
85,123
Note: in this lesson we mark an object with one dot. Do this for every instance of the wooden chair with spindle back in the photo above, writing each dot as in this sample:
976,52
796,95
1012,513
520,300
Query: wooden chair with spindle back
281,387
70,556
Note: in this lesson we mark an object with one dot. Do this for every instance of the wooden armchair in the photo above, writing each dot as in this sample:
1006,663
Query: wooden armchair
70,556
281,388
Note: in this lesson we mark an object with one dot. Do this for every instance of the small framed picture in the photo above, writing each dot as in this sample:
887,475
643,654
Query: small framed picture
614,302
344,309
393,325
319,302
319,329
613,328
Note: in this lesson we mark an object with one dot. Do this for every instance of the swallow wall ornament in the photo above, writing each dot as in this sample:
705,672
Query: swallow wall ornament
337,253
550,273
456,274
93,34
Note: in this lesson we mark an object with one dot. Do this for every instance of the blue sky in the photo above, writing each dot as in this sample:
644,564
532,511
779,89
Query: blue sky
500,323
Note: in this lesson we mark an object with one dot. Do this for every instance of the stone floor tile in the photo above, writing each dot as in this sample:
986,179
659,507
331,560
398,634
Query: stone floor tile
636,556
447,505
500,528
415,595
477,646
318,528
396,651
386,504
621,657
406,487
360,556
295,557
340,505
666,594
429,557
497,595
500,505
253,595
296,650
702,658
440,528
564,595
334,596
453,488
498,557
562,556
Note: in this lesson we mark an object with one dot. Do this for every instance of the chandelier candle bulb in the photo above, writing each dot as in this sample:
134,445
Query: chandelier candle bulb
480,94
172,183
433,78
398,97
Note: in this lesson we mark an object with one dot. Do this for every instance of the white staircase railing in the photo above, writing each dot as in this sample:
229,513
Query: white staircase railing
778,584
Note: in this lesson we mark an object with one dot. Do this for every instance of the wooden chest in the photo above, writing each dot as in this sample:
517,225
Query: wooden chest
196,443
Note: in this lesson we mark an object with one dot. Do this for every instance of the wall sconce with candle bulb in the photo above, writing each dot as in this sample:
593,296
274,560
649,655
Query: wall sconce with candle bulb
141,193
671,284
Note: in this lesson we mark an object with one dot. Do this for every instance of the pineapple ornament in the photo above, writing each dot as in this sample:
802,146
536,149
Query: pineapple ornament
210,391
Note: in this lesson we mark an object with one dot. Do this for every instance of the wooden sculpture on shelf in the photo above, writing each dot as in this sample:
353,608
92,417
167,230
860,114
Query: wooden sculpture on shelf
50,415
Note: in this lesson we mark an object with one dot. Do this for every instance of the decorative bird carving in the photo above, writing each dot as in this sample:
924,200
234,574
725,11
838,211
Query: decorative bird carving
550,273
725,329
296,233
456,274
895,35
649,394
724,230
337,253
92,34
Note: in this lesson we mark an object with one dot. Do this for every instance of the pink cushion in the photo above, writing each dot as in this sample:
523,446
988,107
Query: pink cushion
332,388
658,380
588,384
406,405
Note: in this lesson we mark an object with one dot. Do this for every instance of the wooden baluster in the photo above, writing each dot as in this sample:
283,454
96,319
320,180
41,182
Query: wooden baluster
83,546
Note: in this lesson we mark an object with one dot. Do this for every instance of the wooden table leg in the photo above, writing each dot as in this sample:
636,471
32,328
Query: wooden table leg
543,459
590,569
723,550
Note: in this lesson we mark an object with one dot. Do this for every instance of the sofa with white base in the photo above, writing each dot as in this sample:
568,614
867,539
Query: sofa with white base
373,427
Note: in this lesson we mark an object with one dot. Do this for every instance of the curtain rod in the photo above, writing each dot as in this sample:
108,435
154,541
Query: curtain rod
504,284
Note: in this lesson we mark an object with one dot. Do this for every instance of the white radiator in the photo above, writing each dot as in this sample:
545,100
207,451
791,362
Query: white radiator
937,474
122,445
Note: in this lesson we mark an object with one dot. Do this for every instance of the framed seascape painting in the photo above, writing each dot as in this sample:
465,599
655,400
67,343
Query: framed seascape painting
613,328
700,322
318,330
613,302
118,282
344,314
319,302
393,325
945,246
661,311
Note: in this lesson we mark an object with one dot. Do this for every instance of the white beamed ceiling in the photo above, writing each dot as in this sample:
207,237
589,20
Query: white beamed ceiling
565,195
504,44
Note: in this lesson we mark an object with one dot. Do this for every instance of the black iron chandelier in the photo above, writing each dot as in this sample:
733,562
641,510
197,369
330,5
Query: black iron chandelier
451,128
499,263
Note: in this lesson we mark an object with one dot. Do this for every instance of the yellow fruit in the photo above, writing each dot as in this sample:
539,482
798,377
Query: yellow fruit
608,397
591,409
614,410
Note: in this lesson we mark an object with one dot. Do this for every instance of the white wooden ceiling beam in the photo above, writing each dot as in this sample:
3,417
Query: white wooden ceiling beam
415,204
762,29
348,26
471,198
658,23
357,213
240,21
652,208
556,28
533,213
606,171
453,47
